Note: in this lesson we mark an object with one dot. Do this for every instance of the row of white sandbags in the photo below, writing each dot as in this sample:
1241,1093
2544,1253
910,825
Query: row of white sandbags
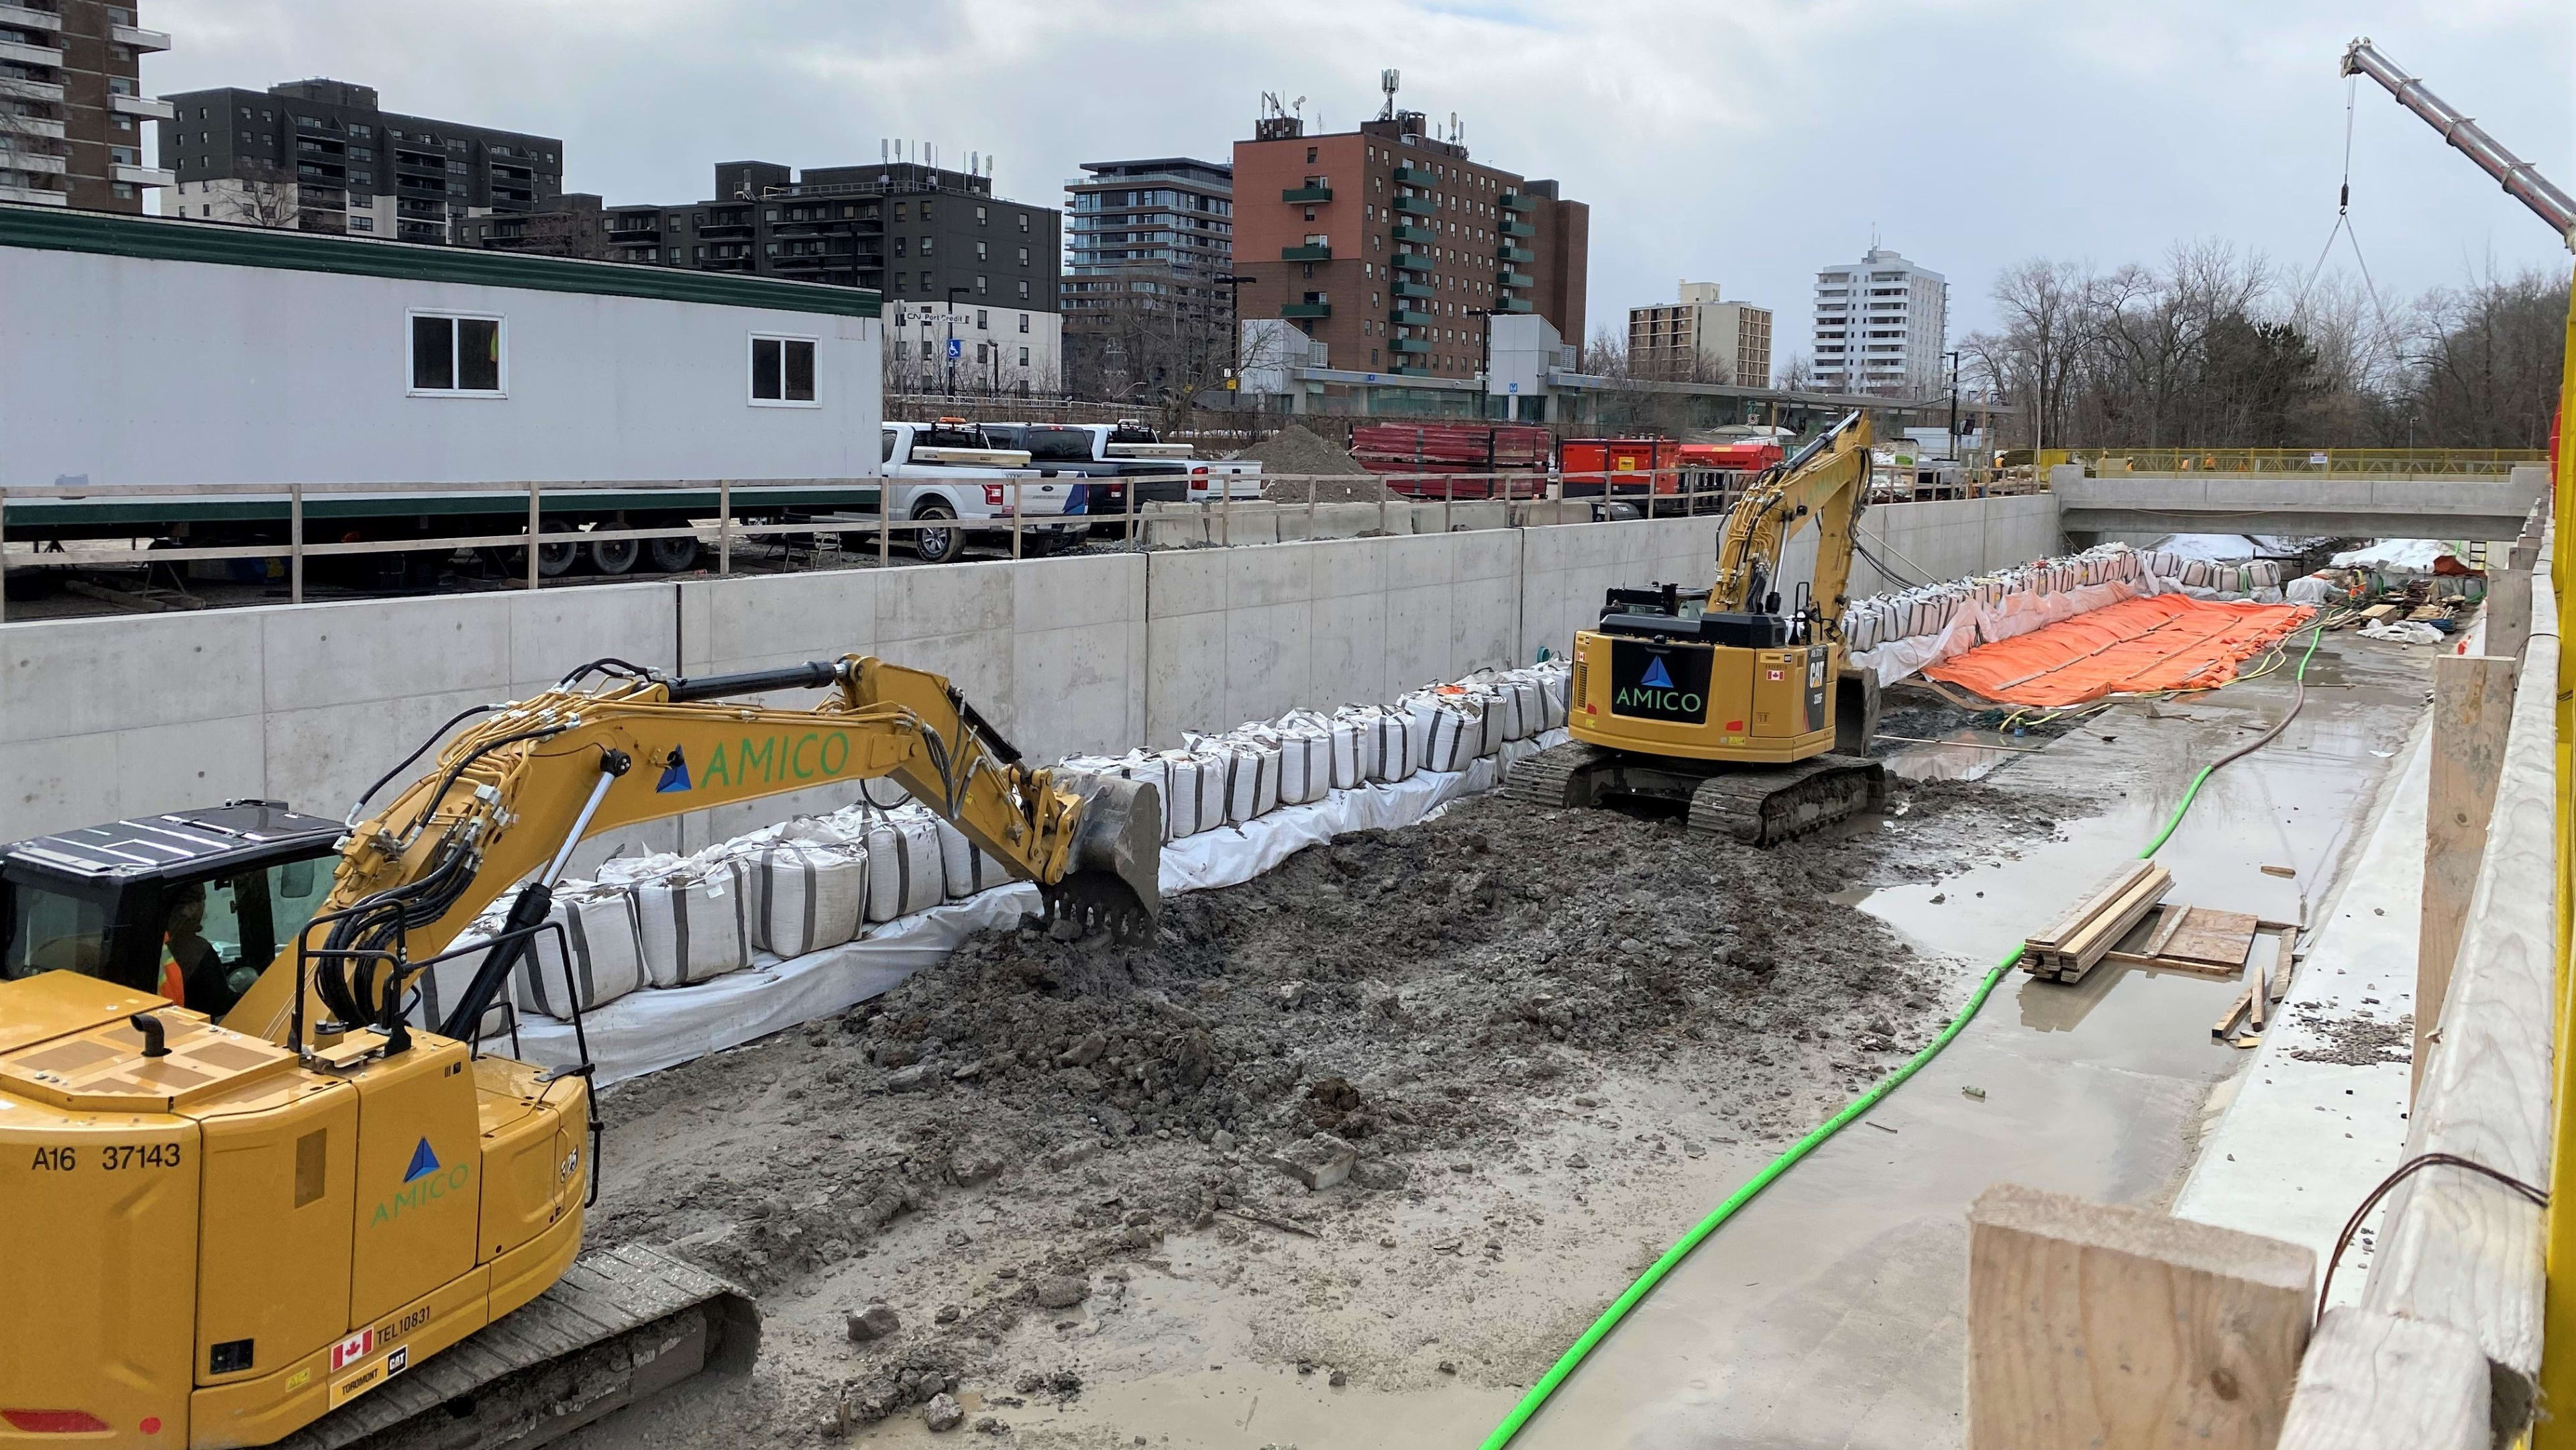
1928,609
1253,769
668,921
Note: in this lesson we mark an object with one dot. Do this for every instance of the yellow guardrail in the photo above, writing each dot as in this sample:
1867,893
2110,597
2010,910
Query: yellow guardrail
2379,462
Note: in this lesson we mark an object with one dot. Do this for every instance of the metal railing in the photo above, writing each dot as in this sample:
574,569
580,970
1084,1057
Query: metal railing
2366,462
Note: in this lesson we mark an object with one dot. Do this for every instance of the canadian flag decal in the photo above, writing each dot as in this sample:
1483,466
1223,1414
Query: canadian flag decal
352,1349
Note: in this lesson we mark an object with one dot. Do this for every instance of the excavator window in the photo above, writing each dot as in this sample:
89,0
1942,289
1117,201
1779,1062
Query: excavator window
209,937
50,931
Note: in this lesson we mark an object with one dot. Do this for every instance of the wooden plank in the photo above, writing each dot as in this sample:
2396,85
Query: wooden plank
2285,961
2219,938
2377,1382
2091,1326
2256,996
2472,705
2169,920
2087,947
2235,1009
2109,889
2456,1248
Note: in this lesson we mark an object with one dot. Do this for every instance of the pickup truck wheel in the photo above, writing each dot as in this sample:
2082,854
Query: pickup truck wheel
936,546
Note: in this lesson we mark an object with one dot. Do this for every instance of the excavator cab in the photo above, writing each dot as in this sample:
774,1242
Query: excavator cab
188,905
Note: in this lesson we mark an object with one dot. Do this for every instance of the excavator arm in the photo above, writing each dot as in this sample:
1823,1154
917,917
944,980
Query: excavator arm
509,799
1825,480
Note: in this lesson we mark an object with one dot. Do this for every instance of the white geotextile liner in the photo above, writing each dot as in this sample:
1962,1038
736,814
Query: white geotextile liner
649,1031
1981,621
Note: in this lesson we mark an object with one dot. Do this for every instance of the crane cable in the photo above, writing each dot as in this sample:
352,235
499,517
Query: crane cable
1645,1283
2343,227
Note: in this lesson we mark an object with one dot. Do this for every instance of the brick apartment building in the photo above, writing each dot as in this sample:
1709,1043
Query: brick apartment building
1387,244
71,107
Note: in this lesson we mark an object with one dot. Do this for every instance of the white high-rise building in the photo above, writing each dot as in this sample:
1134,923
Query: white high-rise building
1881,326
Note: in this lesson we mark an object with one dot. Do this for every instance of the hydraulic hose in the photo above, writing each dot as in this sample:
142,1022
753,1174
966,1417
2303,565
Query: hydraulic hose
1629,1298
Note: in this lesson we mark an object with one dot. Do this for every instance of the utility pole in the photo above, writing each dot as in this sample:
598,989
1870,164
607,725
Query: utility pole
1484,364
1953,356
1233,285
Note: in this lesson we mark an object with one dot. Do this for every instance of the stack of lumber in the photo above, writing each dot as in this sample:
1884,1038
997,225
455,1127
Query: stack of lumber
2069,947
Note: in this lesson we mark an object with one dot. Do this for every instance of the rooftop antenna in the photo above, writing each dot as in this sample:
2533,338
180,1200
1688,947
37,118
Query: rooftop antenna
1453,128
1387,81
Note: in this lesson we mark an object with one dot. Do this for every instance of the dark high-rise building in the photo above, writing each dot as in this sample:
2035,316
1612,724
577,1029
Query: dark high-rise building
1145,244
322,155
71,106
1388,244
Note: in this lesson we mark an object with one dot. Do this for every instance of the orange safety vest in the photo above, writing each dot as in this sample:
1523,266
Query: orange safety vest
174,983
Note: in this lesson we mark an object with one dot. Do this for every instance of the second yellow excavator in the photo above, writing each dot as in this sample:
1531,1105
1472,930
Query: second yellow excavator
299,1222
1720,700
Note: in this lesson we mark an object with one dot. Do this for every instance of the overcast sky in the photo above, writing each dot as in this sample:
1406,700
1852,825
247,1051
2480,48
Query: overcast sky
1745,143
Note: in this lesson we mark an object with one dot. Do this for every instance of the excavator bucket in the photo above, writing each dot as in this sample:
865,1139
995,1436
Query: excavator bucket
1114,881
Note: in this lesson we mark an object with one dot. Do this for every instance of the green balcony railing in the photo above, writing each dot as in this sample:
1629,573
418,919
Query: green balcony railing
1408,344
1403,317
1405,233
1511,228
1413,176
1515,279
1515,201
1306,254
1515,304
1307,193
1411,289
1305,309
1413,261
1410,372
1509,253
1414,205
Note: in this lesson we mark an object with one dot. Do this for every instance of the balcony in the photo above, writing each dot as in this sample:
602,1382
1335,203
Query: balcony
1305,309
31,54
1402,318
1408,344
143,175
1515,304
26,19
51,130
1413,261
1514,279
1414,205
1305,254
15,89
1424,235
35,162
1411,289
144,106
1515,201
1509,253
1512,228
135,37
1413,176
33,196
1306,193
1410,372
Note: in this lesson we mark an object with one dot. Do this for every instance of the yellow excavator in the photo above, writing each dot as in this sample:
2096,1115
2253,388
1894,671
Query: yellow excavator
308,1222
1722,701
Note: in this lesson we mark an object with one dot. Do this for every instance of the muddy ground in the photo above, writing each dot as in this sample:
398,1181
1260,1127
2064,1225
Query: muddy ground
1064,1165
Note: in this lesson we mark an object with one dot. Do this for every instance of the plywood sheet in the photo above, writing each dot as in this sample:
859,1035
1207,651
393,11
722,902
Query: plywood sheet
2213,938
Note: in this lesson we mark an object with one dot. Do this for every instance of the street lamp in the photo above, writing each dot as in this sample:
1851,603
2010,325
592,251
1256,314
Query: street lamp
1484,360
1233,282
953,294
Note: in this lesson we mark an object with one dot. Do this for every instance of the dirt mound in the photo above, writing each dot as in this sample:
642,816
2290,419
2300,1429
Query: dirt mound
1296,452
1370,1016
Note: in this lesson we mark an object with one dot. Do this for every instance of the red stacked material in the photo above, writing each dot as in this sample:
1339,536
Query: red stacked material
1419,456
2137,646
1620,466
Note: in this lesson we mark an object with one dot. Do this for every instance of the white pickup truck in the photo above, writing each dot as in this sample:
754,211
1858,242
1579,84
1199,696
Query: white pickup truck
1127,449
951,470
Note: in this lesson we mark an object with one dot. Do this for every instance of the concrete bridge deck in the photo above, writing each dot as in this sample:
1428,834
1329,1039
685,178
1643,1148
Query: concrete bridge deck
2333,504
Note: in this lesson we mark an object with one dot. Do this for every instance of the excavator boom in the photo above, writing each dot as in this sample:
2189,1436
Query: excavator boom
2518,177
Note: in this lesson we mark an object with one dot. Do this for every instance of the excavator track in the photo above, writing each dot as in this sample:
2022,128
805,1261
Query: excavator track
621,1325
1765,805
1557,776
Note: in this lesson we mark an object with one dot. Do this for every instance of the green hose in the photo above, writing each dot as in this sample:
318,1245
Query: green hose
1646,1282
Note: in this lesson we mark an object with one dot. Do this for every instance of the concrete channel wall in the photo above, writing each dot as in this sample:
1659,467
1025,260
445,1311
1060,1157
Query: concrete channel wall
102,718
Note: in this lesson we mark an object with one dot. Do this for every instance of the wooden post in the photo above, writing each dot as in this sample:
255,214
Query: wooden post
533,527
885,518
1310,507
2472,704
724,526
295,543
1019,500
2098,1328
2379,1382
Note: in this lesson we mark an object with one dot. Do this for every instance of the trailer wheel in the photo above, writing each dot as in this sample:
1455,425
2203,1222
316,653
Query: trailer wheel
672,556
613,556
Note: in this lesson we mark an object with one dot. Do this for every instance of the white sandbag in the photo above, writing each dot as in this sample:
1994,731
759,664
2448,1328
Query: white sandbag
806,894
1386,749
965,868
905,872
1456,733
1249,772
1341,743
1553,685
1197,788
1305,764
695,923
607,953
1368,742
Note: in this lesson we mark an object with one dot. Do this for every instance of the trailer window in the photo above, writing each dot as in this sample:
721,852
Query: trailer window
453,356
782,371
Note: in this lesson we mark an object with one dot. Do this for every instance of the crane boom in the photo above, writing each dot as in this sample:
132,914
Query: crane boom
2518,177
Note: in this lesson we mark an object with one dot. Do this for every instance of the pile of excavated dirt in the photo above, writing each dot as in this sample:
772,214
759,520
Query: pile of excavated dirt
1519,1015
1297,452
